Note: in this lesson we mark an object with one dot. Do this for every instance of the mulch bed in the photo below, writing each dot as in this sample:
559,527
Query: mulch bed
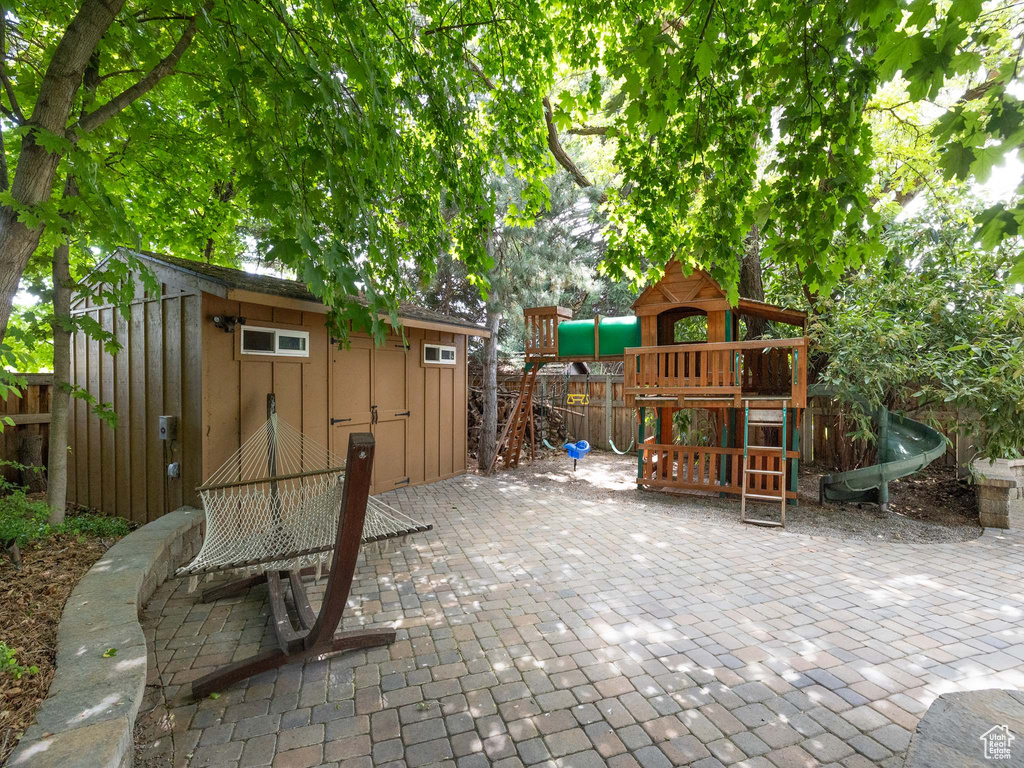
933,495
31,602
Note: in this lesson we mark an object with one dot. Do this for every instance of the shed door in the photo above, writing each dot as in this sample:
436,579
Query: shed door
351,392
391,419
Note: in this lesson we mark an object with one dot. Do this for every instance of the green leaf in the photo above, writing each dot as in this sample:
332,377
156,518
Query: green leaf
704,58
966,62
898,53
50,141
1017,271
965,10
956,161
110,653
984,160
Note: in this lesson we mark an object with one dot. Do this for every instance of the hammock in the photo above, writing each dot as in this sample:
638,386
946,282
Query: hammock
316,637
273,506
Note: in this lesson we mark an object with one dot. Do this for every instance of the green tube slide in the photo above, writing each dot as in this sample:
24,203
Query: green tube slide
576,337
905,446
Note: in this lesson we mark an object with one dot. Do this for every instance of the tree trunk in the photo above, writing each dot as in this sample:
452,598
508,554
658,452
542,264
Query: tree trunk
33,178
60,401
30,456
489,417
752,281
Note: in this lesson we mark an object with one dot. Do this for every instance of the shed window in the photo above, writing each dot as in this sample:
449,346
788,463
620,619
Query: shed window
293,343
438,354
275,341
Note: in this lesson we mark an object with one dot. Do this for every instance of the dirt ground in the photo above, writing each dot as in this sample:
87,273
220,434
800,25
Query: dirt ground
930,506
31,602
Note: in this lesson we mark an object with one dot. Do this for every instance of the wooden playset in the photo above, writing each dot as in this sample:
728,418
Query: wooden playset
755,392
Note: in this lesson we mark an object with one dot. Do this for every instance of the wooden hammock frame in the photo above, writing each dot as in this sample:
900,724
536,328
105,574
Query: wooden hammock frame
316,638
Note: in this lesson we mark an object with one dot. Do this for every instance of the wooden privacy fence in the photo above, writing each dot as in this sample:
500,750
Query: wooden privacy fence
602,413
28,439
824,439
824,428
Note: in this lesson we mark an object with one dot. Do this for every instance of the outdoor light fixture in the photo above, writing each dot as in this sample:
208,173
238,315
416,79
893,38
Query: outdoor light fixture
227,323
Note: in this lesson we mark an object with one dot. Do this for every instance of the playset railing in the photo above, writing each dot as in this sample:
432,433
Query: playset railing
542,330
729,371
712,468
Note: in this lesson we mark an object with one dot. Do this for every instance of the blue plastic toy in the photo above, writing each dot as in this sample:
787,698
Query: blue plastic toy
577,451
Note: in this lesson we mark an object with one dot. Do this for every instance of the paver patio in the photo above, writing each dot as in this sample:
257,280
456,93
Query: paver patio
535,628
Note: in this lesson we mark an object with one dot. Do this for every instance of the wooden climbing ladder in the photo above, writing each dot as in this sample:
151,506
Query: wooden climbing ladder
764,418
510,444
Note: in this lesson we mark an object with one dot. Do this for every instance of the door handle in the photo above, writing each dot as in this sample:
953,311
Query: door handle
338,421
373,414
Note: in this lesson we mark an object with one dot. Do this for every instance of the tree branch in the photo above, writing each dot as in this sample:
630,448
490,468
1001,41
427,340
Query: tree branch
17,114
558,151
467,25
589,130
5,177
166,66
980,89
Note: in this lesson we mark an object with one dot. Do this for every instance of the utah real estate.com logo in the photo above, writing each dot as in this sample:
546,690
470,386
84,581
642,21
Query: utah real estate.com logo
996,741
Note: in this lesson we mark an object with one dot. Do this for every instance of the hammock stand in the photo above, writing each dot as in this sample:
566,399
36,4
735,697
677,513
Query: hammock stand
315,638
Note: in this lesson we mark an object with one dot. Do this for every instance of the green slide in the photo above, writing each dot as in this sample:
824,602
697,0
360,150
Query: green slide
905,446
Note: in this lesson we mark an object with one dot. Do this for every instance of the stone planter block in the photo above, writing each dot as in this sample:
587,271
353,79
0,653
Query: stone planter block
89,713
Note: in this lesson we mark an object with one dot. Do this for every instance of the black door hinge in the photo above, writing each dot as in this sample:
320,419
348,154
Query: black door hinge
403,482
403,413
338,421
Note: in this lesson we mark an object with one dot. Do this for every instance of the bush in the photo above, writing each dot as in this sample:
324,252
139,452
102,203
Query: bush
91,524
22,521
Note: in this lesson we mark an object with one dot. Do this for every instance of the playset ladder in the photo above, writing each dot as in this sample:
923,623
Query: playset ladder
510,444
764,418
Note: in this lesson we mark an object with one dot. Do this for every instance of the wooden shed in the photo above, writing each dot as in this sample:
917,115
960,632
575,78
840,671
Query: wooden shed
208,348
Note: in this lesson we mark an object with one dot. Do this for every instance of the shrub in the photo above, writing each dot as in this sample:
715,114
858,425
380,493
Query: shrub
91,524
21,520
9,663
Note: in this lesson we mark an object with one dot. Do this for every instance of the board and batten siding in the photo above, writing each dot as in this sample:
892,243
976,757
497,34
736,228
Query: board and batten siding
438,409
235,396
174,361
122,470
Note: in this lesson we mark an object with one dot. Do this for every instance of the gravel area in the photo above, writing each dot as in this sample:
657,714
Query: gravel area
604,476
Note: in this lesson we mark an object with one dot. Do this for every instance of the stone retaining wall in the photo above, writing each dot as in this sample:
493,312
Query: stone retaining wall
1000,487
89,713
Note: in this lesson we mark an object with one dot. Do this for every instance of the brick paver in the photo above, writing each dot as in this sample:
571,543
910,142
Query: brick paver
537,628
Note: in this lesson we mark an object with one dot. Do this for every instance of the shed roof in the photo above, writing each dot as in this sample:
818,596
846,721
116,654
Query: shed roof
239,280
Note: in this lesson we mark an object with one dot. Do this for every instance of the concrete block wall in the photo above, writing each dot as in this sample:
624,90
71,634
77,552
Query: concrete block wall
1000,488
89,713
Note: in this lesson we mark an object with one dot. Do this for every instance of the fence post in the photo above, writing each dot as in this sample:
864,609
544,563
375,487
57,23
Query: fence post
807,436
586,410
547,413
607,410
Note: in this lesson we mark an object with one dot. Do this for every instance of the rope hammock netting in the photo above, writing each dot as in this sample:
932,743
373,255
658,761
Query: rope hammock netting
274,505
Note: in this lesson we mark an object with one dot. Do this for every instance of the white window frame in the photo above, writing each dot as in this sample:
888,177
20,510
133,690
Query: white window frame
304,335
276,351
441,349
